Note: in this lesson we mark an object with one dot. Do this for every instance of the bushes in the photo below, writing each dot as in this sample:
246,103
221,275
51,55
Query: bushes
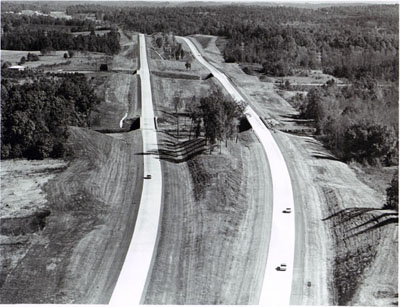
392,193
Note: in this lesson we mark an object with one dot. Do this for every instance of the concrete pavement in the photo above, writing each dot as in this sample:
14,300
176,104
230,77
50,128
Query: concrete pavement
131,284
276,288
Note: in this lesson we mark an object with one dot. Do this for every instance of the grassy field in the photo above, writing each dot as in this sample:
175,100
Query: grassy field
55,61
344,241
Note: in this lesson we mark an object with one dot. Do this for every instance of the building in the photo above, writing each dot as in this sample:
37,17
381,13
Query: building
17,67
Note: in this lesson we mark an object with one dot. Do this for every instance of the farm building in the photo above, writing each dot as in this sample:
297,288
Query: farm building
17,67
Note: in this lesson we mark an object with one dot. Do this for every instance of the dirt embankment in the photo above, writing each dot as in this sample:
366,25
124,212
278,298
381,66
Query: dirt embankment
214,227
346,246
119,91
76,256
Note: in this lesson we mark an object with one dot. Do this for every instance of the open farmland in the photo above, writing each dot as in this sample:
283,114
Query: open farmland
56,61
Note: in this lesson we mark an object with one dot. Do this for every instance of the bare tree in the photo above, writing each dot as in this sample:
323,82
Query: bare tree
177,102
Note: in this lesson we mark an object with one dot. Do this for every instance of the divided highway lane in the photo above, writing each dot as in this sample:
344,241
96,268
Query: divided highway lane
131,283
276,289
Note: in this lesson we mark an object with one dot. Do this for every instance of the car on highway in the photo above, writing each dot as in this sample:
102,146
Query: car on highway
287,210
147,177
281,267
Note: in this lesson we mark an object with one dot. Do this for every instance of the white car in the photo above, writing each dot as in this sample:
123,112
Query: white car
287,210
147,177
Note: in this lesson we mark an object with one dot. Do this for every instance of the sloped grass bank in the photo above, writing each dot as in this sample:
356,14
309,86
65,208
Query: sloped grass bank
77,256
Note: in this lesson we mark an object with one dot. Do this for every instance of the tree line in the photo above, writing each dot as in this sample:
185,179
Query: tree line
358,122
25,39
346,42
11,22
35,113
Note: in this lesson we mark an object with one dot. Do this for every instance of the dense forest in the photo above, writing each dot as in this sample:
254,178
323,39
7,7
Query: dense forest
343,41
38,33
25,39
11,21
358,122
35,113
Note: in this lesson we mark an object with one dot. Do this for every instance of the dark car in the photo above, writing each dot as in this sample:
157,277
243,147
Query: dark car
282,267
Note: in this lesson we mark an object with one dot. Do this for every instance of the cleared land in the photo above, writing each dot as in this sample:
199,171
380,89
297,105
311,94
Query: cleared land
118,90
67,243
345,239
77,255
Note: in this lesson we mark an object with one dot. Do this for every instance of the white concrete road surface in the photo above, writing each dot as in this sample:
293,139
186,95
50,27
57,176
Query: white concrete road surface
121,122
131,283
277,285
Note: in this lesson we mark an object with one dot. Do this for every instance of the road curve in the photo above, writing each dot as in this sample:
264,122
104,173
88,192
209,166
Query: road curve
276,289
138,261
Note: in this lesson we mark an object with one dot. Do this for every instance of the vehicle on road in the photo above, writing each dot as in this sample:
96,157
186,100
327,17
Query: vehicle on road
281,267
147,177
287,210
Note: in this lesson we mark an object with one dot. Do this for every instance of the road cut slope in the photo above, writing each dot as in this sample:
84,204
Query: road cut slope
132,280
276,288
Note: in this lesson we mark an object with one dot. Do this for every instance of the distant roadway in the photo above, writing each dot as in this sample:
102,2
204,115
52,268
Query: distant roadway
276,289
131,283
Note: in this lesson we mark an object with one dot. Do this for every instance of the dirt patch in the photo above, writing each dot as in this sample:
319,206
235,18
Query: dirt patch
21,185
93,205
213,234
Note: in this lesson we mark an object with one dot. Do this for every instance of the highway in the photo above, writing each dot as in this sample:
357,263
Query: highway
276,289
131,284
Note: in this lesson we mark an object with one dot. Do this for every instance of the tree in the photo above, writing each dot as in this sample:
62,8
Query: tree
159,42
220,116
32,57
22,61
65,55
71,53
195,114
392,193
5,65
177,102
368,142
